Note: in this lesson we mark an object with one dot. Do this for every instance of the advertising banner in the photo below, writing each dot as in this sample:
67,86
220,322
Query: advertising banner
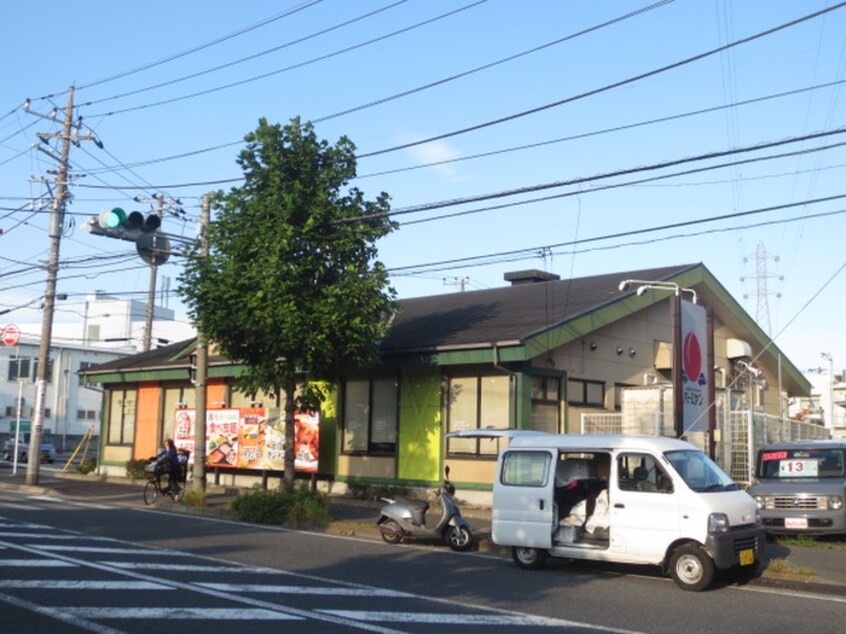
695,346
250,438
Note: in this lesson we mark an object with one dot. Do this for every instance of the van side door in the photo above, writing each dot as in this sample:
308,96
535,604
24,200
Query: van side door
523,509
644,508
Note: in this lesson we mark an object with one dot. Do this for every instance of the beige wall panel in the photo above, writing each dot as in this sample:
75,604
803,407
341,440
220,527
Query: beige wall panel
117,454
366,467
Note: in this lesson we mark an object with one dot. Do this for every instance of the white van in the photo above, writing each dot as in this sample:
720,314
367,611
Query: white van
626,499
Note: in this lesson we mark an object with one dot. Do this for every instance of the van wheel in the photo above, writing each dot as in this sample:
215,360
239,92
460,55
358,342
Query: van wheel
691,568
528,558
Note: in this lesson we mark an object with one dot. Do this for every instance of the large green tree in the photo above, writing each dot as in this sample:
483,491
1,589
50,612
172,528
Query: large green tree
291,286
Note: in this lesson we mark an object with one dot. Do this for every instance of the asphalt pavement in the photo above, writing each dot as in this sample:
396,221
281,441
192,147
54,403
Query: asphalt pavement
820,568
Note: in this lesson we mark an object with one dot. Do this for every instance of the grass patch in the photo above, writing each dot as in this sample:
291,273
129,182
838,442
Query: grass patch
831,542
135,469
86,466
783,568
282,508
195,497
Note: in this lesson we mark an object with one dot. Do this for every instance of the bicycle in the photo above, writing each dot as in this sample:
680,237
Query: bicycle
155,470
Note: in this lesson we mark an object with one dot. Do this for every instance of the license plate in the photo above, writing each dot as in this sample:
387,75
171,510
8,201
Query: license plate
747,557
796,522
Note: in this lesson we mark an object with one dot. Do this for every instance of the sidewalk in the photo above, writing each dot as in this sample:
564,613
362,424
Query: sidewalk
822,569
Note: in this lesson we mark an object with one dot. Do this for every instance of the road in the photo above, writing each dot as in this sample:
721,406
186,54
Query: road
115,566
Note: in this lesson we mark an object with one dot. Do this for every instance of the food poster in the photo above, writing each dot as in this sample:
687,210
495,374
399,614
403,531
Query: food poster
251,432
222,437
306,442
183,431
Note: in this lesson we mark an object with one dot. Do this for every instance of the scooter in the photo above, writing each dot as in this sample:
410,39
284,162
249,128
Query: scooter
403,518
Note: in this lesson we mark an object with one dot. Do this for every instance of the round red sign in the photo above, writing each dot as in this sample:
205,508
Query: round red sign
11,335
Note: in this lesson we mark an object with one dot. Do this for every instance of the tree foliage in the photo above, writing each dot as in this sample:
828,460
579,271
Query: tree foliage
292,287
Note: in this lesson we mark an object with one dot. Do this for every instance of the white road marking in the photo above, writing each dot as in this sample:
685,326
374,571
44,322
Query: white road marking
57,614
65,584
36,563
439,618
311,590
23,535
47,498
141,565
171,613
106,550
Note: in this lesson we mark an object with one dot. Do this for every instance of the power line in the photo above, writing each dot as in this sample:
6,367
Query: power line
245,59
607,87
522,254
200,47
294,66
584,179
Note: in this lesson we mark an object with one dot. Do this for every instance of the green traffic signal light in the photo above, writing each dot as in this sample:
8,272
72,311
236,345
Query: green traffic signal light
112,218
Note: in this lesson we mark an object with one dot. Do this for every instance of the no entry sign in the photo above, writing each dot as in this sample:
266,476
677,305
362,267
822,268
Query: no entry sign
11,335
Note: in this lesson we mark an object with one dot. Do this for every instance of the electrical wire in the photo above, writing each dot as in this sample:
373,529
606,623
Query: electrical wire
244,59
294,66
201,47
607,87
528,253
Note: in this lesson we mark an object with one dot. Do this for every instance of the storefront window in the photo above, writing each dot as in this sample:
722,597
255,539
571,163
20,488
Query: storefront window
175,398
370,416
477,402
121,423
584,392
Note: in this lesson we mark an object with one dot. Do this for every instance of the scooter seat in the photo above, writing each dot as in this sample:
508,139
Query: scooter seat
414,504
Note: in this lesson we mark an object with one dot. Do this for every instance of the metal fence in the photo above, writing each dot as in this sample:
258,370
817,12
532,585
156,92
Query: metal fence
734,453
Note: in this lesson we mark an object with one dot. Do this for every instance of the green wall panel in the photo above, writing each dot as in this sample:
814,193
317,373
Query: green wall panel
420,425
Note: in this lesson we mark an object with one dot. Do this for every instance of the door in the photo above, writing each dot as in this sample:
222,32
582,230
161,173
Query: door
644,508
523,509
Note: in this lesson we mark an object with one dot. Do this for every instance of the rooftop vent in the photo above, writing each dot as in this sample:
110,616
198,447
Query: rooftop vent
530,276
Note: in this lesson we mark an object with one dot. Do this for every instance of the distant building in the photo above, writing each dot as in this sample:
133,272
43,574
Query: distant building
107,329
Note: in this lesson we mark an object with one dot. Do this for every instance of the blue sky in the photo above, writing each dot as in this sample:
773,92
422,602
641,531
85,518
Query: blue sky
536,73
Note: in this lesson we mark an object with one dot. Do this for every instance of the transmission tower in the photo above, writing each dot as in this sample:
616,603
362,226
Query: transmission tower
762,292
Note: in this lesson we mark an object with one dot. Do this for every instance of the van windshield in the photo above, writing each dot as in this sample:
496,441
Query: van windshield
699,472
790,463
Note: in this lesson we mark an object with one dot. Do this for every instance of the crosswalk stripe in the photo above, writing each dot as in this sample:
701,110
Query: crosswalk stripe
105,550
52,536
140,565
36,563
64,584
171,613
311,590
437,618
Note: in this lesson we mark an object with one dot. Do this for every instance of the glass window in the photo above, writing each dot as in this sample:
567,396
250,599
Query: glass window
526,468
477,402
640,472
370,416
18,369
546,403
48,376
584,392
121,423
823,462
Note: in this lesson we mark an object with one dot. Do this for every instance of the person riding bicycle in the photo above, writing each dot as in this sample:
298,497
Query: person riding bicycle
174,467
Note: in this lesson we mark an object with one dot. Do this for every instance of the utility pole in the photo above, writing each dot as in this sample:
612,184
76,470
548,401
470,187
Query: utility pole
199,477
154,269
57,217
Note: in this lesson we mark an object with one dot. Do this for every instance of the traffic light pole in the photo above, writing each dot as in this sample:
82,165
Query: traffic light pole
151,291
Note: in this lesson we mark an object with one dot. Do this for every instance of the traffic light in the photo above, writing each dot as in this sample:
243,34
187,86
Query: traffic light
153,247
116,223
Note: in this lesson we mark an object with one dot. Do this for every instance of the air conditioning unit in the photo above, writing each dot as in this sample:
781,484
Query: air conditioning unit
736,349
